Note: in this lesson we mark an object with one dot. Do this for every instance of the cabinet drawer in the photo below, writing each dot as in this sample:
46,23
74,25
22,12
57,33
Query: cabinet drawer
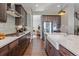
64,52
13,44
4,51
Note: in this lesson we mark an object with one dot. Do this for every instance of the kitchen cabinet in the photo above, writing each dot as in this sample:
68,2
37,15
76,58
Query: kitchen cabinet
64,52
13,48
51,21
23,19
3,14
8,6
18,19
17,47
50,49
4,51
23,43
50,24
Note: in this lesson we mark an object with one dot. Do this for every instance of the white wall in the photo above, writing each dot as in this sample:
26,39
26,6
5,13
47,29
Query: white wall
64,22
67,21
71,19
29,19
9,26
36,21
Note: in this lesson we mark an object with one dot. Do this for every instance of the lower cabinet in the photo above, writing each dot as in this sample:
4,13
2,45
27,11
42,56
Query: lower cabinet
64,52
50,49
17,47
23,43
4,51
13,46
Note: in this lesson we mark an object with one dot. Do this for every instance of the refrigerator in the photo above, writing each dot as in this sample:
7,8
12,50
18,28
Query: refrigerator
49,27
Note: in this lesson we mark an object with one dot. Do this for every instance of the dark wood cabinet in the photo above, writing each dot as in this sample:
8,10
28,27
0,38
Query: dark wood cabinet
51,50
17,47
23,19
23,44
4,51
64,52
50,20
8,6
18,19
54,19
12,48
3,14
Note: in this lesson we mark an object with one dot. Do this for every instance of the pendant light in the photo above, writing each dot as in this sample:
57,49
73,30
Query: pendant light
61,12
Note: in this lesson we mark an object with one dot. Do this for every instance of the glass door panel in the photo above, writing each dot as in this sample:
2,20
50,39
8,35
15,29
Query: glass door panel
47,27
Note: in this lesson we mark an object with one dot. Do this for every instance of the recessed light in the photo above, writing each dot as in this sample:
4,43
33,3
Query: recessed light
36,5
58,5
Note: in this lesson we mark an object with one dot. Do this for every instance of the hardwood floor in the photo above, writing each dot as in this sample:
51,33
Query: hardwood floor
36,48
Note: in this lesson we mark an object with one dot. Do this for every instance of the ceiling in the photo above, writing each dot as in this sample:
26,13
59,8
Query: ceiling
48,7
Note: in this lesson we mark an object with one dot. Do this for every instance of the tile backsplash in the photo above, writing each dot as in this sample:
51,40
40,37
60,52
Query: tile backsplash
9,26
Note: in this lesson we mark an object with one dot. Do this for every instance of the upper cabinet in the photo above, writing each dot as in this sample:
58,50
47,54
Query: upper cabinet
11,10
23,19
3,15
14,10
52,23
8,6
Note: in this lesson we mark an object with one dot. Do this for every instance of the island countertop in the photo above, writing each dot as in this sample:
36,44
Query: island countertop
70,42
10,39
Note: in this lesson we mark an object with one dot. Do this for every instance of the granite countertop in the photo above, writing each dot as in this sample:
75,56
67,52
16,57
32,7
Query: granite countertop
53,39
70,42
10,39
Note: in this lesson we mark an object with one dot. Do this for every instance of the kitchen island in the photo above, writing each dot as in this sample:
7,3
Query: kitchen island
64,45
14,45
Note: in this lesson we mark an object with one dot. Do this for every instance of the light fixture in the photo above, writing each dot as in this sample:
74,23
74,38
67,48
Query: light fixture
58,6
61,12
36,5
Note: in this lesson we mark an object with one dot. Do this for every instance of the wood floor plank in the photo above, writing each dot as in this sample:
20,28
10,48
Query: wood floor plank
36,48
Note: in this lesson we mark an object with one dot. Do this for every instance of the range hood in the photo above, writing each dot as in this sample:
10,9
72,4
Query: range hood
13,13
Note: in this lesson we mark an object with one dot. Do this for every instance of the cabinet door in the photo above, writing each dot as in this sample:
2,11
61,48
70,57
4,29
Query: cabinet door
18,19
52,51
64,52
13,52
3,15
22,44
46,47
23,19
4,51
49,49
13,48
28,39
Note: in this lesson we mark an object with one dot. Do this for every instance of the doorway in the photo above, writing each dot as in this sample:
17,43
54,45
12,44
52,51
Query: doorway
37,26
